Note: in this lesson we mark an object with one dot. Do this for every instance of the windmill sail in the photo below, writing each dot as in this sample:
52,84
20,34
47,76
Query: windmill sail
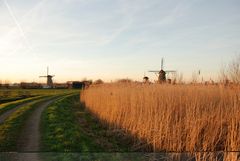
162,64
162,73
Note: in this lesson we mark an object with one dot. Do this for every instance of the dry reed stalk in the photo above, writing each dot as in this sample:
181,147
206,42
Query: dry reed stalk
170,118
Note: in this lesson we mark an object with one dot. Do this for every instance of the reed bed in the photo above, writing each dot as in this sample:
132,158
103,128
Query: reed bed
171,118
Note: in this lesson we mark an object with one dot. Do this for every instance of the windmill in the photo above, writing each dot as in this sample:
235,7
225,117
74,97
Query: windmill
49,79
162,73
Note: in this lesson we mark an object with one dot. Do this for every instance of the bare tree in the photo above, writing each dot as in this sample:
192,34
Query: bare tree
223,76
124,80
99,81
195,76
231,72
234,70
179,78
7,84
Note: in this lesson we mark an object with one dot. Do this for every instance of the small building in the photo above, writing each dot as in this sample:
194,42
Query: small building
60,85
75,85
32,85
78,84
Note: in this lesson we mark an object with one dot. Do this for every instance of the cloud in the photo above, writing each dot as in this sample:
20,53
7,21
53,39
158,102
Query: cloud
15,40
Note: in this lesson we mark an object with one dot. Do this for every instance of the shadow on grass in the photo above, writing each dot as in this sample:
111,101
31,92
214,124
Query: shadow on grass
109,137
214,156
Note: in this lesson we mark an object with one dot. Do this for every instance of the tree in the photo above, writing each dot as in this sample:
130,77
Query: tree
124,80
99,81
195,76
234,70
231,72
223,76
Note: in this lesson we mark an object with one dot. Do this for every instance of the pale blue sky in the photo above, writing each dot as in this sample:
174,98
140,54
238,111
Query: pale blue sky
111,39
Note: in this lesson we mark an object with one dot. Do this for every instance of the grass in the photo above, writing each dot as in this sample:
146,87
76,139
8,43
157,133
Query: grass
166,118
100,134
60,129
8,95
6,100
94,157
7,106
10,129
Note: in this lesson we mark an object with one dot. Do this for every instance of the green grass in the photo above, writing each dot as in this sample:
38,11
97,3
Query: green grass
98,156
60,128
5,100
7,106
10,129
8,95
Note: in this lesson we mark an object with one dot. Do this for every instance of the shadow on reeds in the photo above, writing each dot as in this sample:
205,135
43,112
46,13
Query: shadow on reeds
133,148
106,133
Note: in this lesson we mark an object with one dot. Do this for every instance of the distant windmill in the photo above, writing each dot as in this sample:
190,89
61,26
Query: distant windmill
162,73
49,79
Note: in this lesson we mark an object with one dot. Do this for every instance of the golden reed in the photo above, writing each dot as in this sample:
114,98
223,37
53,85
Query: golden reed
170,117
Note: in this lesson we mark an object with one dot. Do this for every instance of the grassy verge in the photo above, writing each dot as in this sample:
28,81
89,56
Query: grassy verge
6,94
10,129
60,128
7,106
6,100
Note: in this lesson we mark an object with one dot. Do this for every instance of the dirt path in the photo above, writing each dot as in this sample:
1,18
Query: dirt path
6,114
29,139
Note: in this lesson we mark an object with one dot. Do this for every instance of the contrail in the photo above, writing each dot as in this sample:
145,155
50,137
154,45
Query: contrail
18,24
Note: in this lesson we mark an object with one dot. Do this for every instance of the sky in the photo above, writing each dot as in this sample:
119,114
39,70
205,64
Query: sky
113,39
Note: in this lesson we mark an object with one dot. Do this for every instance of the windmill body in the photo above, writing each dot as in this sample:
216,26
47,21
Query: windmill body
162,73
161,76
49,79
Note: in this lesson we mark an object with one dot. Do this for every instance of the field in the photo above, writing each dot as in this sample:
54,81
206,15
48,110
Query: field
8,95
167,118
130,120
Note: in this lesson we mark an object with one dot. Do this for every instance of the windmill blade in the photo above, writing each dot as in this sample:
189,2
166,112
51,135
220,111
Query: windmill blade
42,76
170,71
154,71
162,64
